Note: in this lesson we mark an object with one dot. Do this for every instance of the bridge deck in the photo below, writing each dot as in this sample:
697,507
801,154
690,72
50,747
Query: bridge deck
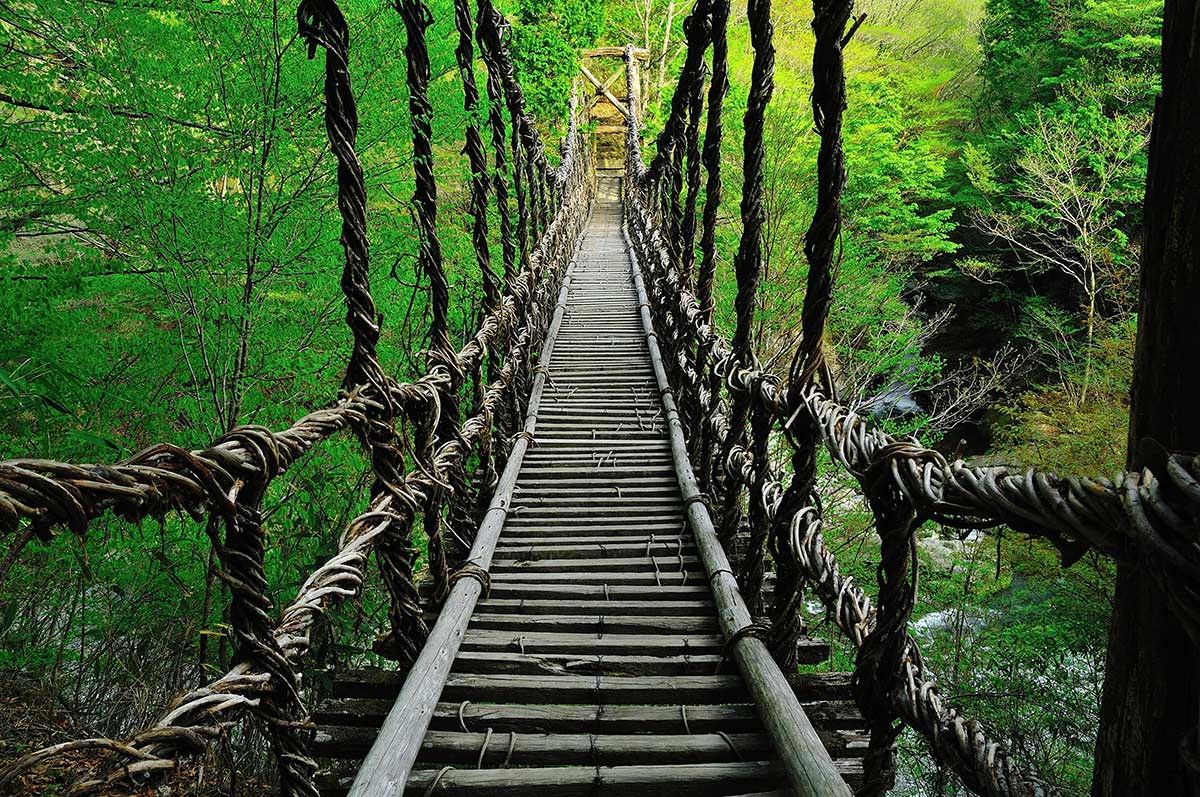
595,664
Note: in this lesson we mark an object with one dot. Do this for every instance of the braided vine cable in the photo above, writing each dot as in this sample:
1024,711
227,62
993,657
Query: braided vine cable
711,156
488,48
879,667
748,261
520,169
417,19
529,157
464,54
822,238
322,24
717,89
687,230
753,566
667,166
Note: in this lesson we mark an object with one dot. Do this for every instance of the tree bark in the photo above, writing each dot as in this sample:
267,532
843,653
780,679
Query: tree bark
1152,687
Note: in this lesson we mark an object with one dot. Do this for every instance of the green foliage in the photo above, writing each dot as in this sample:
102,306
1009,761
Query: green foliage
1051,428
1035,48
900,203
545,49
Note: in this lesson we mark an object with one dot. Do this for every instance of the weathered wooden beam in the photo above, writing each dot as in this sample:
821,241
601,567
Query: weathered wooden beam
608,95
640,53
809,767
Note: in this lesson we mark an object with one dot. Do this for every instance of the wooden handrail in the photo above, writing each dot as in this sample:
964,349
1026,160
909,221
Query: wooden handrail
385,770
810,769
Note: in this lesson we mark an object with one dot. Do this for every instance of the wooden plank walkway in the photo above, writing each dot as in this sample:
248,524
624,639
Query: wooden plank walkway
594,666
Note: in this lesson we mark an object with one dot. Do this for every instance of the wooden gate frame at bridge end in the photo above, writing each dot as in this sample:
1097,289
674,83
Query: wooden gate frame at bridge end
606,131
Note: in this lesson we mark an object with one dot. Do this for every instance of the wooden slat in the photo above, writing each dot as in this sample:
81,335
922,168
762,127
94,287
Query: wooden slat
659,608
685,780
540,748
607,689
611,577
594,623
369,712
557,749
565,568
598,592
584,663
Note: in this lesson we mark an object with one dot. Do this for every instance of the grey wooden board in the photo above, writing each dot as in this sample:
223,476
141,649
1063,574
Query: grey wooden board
369,712
684,780
537,748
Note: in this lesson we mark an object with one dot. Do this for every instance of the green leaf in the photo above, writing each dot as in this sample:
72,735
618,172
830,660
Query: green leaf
96,440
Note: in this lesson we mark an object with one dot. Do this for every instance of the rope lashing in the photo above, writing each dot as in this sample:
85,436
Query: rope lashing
437,779
732,746
471,570
760,631
487,737
512,746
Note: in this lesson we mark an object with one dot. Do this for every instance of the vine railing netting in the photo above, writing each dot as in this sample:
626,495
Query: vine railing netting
733,409
435,444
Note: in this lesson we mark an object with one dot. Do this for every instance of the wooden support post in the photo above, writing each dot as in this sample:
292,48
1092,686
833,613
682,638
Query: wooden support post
1151,701
634,79
640,53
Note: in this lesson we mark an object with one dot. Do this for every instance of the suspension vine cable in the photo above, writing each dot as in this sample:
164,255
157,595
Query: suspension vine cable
666,168
718,86
698,27
464,54
747,263
417,19
488,39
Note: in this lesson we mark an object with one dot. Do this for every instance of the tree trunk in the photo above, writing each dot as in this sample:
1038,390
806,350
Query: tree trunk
662,64
1152,686
1089,352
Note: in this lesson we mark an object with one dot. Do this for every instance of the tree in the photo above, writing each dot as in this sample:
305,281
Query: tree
1147,743
545,49
1065,201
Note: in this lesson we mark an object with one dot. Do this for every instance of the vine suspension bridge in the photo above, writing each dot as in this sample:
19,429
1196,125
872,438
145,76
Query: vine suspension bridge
617,566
